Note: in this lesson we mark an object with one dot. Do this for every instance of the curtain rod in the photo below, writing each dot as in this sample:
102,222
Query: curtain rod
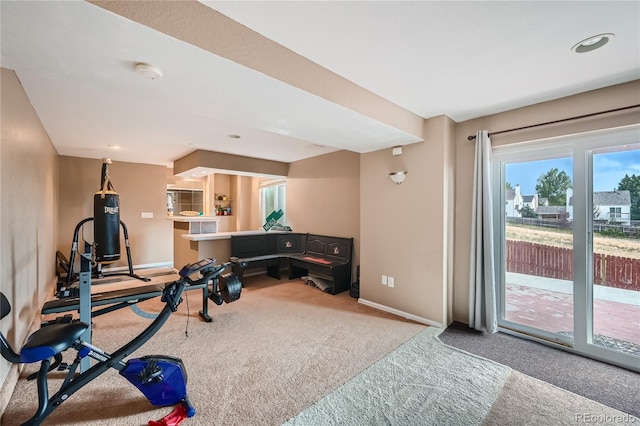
557,121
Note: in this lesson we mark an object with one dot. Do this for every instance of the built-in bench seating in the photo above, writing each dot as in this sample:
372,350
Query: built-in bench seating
325,256
264,251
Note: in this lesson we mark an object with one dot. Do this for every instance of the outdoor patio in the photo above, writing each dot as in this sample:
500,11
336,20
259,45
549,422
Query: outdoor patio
547,303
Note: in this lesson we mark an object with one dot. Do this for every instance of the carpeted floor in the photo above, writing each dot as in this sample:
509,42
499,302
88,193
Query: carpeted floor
605,383
421,383
263,359
425,382
283,347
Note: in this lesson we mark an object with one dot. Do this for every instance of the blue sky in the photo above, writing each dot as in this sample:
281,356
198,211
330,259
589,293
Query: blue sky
608,170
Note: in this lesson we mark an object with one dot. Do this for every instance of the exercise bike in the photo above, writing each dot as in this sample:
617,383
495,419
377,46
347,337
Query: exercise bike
162,379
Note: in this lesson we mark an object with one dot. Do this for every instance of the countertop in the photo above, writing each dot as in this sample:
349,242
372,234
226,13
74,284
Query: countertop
220,235
194,218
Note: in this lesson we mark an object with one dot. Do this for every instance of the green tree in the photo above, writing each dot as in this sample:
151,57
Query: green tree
632,184
527,211
553,185
507,185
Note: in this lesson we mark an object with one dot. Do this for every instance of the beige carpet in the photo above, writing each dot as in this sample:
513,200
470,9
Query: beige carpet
263,359
425,382
285,349
525,400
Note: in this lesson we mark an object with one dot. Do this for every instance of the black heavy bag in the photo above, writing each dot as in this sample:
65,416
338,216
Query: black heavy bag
106,220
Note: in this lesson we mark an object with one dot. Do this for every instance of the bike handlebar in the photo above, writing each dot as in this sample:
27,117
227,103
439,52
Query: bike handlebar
208,271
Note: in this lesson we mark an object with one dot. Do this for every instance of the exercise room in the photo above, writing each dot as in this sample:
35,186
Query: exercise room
309,213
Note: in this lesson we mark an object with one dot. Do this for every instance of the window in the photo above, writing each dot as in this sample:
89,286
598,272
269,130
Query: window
615,212
273,198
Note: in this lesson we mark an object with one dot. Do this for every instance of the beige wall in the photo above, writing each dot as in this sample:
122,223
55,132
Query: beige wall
229,162
323,197
142,188
584,103
405,228
28,189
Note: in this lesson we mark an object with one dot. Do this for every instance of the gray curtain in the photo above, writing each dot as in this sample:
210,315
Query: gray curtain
482,282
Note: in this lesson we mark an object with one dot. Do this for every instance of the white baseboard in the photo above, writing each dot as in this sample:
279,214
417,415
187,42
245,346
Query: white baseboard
143,266
399,313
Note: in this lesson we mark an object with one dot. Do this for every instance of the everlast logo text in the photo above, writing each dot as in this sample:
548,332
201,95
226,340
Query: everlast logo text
111,210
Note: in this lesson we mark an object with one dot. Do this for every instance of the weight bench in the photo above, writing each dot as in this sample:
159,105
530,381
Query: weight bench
118,299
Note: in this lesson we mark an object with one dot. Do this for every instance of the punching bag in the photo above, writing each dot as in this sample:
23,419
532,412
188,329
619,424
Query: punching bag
106,219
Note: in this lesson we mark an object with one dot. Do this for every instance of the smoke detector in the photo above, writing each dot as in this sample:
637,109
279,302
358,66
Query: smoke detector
150,72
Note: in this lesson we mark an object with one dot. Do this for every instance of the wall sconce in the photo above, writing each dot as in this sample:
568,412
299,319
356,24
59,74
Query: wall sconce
398,177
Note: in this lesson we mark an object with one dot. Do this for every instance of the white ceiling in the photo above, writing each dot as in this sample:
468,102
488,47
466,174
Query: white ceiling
462,59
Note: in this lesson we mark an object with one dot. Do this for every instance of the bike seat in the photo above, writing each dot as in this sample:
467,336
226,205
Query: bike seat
51,340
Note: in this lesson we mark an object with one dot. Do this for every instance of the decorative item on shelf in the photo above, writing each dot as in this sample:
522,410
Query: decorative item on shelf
399,176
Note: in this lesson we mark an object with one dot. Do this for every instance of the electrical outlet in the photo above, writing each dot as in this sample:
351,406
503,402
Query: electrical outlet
390,282
384,280
146,215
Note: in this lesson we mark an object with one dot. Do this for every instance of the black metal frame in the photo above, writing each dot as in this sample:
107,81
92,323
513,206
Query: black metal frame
172,296
64,284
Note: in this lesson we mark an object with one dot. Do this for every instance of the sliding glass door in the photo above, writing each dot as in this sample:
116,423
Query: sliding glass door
613,289
567,229
536,293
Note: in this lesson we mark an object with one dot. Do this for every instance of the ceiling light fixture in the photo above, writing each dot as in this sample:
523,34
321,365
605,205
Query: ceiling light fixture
150,72
592,43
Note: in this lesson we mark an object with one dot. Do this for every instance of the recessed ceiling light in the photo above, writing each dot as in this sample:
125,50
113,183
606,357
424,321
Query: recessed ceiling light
234,136
592,43
149,72
113,146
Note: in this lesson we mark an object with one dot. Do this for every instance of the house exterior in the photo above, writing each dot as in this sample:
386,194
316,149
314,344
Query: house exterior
530,201
608,206
551,212
513,202
612,206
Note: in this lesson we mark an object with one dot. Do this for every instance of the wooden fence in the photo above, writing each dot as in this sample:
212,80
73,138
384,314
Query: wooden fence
556,262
